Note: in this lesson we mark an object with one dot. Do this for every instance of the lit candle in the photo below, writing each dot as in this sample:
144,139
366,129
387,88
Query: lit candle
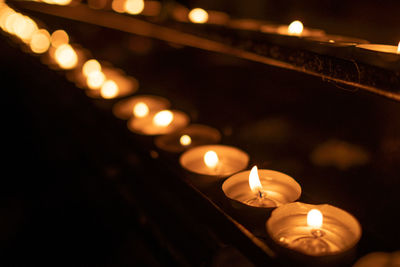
110,83
198,15
40,41
66,56
214,160
139,106
261,188
191,136
162,122
313,231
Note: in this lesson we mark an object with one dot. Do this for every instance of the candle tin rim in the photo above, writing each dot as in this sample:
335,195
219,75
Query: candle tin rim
322,207
183,157
237,177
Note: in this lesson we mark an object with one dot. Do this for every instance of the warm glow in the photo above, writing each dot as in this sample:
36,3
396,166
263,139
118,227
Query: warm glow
118,6
163,118
95,79
314,218
254,180
140,110
398,49
62,2
185,140
134,7
90,66
211,159
10,20
58,38
40,41
109,89
24,28
198,15
66,56
4,15
295,28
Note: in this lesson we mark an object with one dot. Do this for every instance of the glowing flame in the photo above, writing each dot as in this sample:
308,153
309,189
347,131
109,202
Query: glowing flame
198,15
90,66
109,89
24,28
40,41
254,180
211,159
163,118
295,28
66,56
398,49
95,79
58,38
140,110
185,140
314,218
134,7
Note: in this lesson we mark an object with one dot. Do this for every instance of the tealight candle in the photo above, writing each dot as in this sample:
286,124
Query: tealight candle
261,188
191,136
313,231
139,106
214,160
161,122
114,84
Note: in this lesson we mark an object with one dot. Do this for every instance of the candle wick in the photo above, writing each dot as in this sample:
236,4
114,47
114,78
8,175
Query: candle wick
260,194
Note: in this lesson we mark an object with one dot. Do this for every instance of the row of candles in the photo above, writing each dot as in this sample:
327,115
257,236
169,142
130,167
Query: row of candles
313,230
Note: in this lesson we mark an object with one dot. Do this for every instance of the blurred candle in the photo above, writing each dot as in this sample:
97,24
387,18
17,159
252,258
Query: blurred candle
40,41
198,15
161,122
66,57
58,38
139,106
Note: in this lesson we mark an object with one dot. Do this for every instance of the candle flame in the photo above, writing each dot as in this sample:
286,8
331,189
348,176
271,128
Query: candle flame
295,28
198,15
211,159
185,140
314,218
95,79
398,49
134,7
66,56
163,118
109,89
90,66
140,110
254,180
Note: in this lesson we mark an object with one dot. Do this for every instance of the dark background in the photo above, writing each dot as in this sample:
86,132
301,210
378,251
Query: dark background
62,151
